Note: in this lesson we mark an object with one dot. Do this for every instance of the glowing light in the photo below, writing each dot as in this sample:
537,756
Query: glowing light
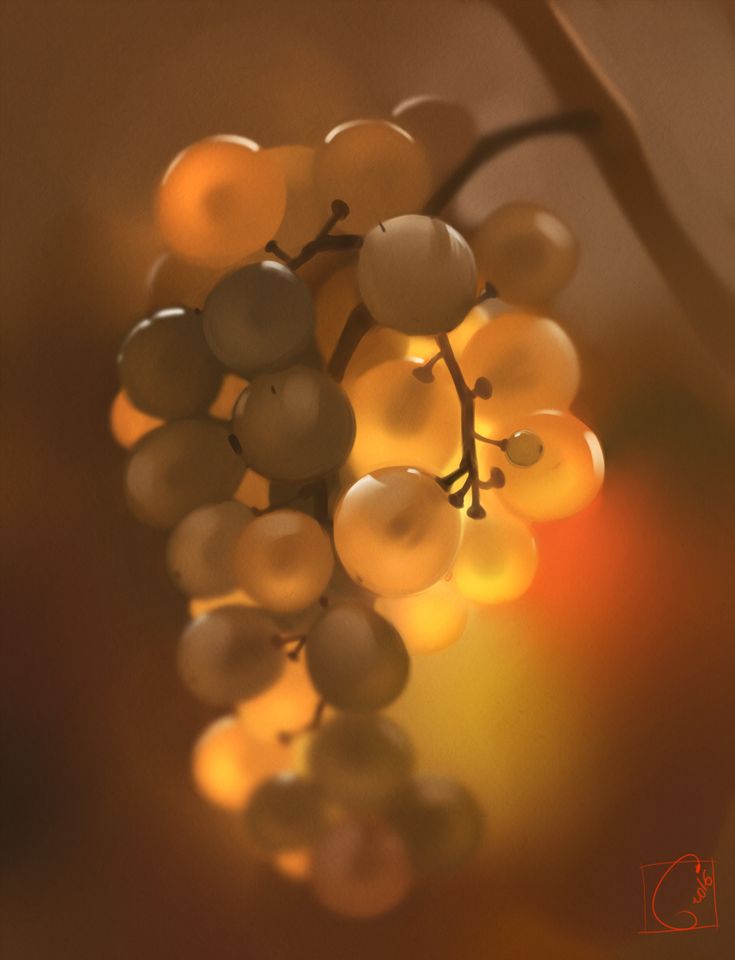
127,423
427,621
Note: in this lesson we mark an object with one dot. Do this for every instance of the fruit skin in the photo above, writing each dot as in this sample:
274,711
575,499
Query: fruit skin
285,812
417,274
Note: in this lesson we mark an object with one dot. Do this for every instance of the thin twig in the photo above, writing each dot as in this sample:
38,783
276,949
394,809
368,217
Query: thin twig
357,325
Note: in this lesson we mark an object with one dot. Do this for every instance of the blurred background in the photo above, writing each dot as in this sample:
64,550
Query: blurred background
594,717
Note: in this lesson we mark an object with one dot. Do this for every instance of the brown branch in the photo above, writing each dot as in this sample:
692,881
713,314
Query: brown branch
618,152
357,325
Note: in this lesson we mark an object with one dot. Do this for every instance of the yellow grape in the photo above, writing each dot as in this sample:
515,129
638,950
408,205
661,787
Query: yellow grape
376,168
305,215
527,252
288,705
424,348
401,420
430,620
284,560
227,764
127,423
497,558
530,362
200,605
395,532
446,129
220,200
566,478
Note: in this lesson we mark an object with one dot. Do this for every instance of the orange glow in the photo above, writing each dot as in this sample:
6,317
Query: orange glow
230,390
427,621
127,423
304,214
201,605
293,864
286,706
254,491
423,348
227,764
220,200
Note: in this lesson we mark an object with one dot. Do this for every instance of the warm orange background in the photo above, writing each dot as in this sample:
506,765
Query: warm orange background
594,718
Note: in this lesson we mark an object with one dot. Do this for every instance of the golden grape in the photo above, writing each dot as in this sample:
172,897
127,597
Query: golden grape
430,620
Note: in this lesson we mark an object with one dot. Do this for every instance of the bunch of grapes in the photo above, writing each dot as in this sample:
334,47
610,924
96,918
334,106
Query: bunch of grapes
346,462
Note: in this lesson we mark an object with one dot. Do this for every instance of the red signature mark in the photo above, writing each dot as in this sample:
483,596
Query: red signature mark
697,884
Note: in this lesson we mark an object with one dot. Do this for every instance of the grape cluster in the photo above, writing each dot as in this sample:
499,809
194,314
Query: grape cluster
310,441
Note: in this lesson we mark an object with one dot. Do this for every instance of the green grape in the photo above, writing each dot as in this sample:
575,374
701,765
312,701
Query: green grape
360,869
166,367
417,274
355,658
296,424
178,467
283,560
395,532
201,549
446,130
527,252
228,655
524,448
360,760
285,812
258,318
440,822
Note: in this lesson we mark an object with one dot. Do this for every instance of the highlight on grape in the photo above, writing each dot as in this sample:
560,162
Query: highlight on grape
347,461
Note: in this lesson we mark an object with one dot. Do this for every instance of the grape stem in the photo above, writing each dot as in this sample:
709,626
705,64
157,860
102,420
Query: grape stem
324,240
357,325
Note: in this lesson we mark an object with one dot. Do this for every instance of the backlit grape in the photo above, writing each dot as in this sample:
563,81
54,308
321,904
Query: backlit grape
228,655
179,467
376,168
287,705
284,560
430,620
395,532
304,215
417,274
285,812
201,549
258,318
355,658
221,199
445,129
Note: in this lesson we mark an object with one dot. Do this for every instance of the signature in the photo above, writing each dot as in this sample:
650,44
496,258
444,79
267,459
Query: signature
704,890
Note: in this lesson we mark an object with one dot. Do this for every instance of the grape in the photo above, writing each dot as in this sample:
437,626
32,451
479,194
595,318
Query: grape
201,549
401,420
227,397
288,705
417,275
427,621
127,423
284,560
285,812
566,478
446,130
258,318
228,655
227,764
497,559
361,761
165,366
530,362
360,869
220,199
304,214
174,282
524,448
294,425
395,532
179,467
440,822
200,605
355,658
527,252
376,168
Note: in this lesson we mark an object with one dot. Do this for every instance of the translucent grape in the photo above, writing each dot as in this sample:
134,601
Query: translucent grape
166,367
200,605
360,869
175,282
258,318
179,467
497,559
440,822
566,478
361,761
200,552
527,252
524,448
355,658
285,812
417,274
288,705
395,532
294,425
446,130
530,362
127,423
284,560
227,764
376,168
220,199
228,655
305,215
430,620
401,420
228,395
